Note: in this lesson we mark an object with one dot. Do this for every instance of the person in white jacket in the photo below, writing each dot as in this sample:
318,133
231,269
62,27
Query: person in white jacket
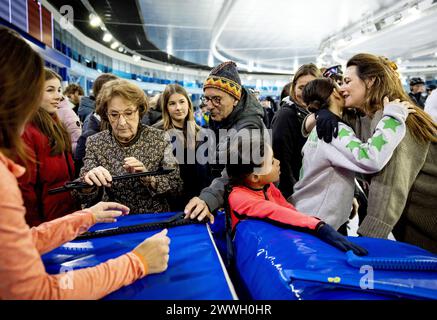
326,184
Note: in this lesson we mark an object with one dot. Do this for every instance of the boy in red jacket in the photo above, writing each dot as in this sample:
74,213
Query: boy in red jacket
252,194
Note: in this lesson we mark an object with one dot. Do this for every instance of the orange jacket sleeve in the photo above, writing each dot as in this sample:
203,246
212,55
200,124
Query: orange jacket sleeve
22,273
50,235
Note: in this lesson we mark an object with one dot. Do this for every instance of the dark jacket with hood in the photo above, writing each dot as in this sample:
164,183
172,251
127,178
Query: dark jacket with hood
247,114
86,107
153,116
288,142
91,126
418,98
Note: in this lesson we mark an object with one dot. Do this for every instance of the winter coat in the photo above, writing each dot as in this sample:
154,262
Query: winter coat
71,121
247,114
91,126
403,196
288,142
86,107
48,172
196,176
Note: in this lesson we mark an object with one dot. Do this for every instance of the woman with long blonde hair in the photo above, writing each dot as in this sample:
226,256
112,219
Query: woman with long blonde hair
178,113
178,121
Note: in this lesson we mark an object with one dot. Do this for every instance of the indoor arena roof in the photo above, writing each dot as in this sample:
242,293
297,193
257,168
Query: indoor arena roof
273,36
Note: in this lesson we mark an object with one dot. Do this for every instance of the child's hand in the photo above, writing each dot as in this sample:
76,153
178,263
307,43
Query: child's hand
328,234
326,125
108,211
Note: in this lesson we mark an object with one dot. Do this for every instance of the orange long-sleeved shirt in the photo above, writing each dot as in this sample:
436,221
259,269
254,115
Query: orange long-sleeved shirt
22,273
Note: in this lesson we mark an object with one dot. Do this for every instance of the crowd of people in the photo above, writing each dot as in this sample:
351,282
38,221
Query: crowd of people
333,143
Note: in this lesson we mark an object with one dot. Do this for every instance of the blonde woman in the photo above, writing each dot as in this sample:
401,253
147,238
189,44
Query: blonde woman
178,121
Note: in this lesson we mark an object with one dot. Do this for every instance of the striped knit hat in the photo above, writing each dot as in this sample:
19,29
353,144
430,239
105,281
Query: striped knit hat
225,77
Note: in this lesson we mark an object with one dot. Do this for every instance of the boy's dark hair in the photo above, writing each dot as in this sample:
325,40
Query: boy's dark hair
72,88
285,91
245,154
100,81
316,94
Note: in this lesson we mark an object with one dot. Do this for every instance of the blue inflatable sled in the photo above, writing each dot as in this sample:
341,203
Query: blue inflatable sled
276,264
195,270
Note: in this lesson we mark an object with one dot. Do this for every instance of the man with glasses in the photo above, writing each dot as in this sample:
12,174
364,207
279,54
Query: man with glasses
232,108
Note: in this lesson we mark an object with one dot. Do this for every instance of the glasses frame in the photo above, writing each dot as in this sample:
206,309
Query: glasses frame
126,117
215,100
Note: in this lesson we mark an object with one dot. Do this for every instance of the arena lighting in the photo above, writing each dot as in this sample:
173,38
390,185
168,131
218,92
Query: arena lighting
414,10
250,66
107,37
95,20
295,65
120,49
114,45
210,60
397,17
136,58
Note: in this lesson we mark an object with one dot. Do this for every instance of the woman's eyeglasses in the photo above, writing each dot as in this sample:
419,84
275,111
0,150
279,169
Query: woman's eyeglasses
128,115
